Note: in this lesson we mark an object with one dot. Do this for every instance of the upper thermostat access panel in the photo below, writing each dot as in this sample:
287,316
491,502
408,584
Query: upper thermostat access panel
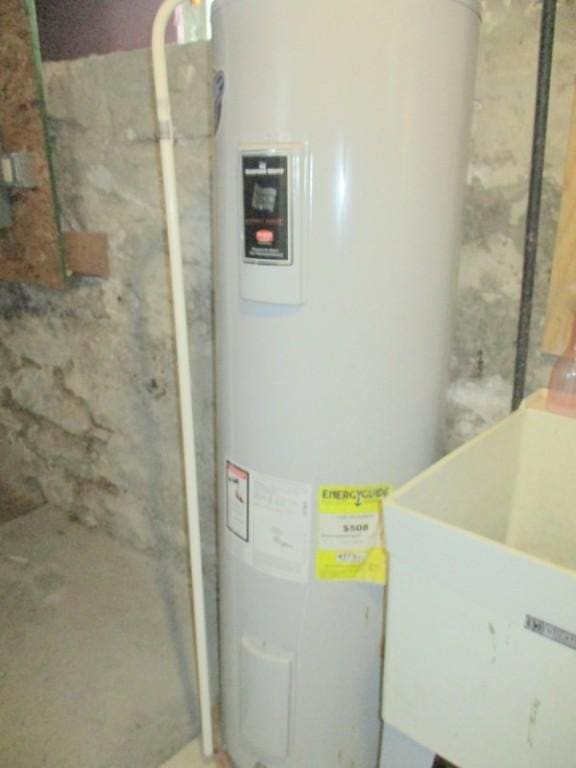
274,198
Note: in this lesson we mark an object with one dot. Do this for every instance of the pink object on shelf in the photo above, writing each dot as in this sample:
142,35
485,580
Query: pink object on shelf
562,387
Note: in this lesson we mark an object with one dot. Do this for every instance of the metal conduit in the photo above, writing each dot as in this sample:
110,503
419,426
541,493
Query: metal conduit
534,198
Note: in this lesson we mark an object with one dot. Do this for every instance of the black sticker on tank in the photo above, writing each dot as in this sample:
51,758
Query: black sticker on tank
219,85
265,186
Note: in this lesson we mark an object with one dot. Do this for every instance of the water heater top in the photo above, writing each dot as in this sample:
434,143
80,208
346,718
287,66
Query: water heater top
474,5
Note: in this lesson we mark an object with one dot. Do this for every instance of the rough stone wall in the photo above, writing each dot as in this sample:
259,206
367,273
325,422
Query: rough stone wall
496,200
88,412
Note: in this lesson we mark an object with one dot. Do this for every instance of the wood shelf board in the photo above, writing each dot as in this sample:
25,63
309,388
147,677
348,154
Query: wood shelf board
562,295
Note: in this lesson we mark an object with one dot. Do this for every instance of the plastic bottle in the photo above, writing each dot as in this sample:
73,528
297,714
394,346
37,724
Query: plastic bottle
562,387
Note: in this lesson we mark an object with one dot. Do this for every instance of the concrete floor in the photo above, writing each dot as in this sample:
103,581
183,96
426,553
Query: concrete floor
95,640
191,757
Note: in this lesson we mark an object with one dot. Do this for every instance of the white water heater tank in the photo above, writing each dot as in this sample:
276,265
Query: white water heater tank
341,137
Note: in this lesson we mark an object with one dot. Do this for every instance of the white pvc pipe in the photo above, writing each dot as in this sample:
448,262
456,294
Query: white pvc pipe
182,352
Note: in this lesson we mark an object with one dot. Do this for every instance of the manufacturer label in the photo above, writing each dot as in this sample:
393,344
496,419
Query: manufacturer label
551,632
350,545
265,186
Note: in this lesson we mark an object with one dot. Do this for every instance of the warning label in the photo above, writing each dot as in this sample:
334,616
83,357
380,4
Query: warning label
350,545
237,501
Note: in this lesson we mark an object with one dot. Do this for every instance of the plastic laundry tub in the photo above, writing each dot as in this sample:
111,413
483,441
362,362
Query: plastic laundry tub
480,654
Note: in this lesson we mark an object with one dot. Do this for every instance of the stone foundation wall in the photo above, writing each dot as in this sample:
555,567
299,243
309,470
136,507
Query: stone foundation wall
496,200
88,413
88,409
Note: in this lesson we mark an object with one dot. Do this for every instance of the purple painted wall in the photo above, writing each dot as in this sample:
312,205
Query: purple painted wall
70,29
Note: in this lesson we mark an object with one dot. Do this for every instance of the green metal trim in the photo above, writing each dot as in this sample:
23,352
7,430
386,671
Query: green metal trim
30,6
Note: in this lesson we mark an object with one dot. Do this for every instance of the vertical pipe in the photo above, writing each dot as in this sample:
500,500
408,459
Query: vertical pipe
182,352
534,198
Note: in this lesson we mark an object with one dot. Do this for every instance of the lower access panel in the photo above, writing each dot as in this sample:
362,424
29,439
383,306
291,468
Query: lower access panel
265,698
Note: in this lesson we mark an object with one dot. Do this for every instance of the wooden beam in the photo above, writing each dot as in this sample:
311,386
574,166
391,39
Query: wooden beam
562,296
31,248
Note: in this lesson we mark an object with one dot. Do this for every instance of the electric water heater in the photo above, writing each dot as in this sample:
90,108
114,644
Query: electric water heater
341,139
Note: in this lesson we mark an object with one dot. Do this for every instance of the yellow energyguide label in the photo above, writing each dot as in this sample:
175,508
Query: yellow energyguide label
350,544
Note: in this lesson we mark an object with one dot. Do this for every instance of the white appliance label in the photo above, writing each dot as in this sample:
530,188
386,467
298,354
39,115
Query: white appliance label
281,526
268,521
237,501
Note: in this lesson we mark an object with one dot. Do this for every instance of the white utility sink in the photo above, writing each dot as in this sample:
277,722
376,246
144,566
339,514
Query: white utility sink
480,655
